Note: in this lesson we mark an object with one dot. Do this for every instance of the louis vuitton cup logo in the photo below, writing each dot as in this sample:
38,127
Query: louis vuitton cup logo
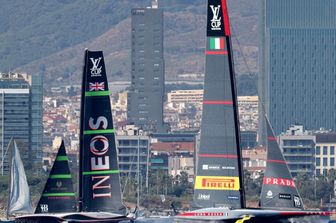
96,70
216,20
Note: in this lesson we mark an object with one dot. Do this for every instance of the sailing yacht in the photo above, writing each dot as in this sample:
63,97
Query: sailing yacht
19,201
99,184
218,190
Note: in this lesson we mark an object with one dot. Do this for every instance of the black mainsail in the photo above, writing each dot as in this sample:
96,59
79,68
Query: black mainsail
99,188
219,175
278,190
58,195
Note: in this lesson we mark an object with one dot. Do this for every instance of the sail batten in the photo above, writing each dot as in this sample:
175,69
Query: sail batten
99,93
99,174
89,132
58,195
60,176
218,179
278,189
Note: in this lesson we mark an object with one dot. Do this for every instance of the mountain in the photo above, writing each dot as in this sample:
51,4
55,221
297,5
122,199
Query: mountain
33,29
49,36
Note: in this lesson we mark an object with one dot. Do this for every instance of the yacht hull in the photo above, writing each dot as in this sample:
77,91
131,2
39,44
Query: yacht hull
245,215
73,217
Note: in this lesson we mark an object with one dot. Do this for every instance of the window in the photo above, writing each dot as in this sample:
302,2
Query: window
144,143
332,162
325,161
124,142
332,150
325,150
143,98
318,172
318,161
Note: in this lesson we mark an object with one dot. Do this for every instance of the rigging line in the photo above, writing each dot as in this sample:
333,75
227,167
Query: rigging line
128,175
234,34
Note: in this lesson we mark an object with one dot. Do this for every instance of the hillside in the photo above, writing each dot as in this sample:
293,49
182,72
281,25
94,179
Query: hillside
57,51
33,29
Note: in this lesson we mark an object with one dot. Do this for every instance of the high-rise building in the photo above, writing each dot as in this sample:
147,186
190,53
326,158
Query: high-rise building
145,98
297,80
21,117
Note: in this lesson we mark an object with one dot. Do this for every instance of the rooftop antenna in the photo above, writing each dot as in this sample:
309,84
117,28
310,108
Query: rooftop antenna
155,4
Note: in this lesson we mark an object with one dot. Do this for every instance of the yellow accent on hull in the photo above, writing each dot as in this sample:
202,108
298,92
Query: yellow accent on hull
245,218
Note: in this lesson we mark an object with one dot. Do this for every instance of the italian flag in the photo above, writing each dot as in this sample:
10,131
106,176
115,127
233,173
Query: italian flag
217,43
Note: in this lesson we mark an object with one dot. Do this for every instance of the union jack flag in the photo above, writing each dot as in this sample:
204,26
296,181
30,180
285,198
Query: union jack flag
97,86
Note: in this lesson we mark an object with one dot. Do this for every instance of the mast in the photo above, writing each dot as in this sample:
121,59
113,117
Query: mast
9,176
235,104
2,131
138,174
219,178
80,175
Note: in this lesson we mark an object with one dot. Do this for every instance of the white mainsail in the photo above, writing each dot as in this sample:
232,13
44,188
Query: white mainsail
19,197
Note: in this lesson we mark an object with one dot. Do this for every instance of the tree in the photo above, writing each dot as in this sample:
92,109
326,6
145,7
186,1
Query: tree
252,186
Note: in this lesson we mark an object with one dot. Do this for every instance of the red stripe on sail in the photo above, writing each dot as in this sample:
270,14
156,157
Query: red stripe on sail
294,213
276,161
218,156
216,52
226,19
270,138
214,102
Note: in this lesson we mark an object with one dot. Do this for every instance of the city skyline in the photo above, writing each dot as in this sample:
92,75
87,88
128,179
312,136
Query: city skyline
179,128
